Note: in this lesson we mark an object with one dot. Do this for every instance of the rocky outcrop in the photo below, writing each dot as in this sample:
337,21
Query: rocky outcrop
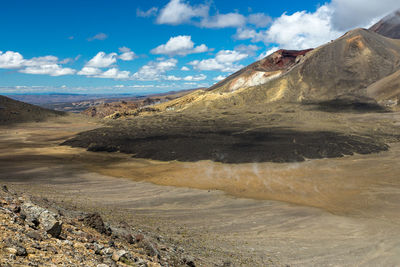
261,72
40,217
33,235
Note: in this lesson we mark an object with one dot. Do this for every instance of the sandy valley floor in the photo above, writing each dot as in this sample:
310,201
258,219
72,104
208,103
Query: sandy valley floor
325,212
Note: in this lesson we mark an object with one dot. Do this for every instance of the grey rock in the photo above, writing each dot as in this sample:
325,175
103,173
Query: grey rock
34,235
95,221
37,216
21,251
49,222
150,248
107,252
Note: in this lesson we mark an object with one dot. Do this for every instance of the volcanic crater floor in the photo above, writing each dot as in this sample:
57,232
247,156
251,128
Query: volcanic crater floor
341,210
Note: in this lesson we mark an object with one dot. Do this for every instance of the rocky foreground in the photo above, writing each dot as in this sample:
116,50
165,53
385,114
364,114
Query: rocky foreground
45,234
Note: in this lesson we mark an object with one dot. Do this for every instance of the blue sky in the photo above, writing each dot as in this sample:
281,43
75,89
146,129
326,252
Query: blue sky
123,46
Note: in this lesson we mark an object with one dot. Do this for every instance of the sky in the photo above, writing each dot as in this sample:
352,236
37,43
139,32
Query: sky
143,46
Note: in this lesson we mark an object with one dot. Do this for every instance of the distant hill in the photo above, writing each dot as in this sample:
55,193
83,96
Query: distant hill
13,111
389,26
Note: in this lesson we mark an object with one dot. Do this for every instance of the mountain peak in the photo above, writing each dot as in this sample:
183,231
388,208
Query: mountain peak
389,26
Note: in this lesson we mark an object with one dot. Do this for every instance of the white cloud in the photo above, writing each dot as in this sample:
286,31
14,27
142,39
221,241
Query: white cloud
126,54
11,60
179,45
268,52
49,69
219,78
102,60
223,61
154,70
299,30
229,56
200,77
178,12
223,21
145,14
259,20
247,49
172,78
184,68
302,30
100,36
246,33
113,73
89,71
349,14
37,65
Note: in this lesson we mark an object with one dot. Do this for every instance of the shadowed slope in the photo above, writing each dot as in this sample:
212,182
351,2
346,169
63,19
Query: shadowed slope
13,111
389,26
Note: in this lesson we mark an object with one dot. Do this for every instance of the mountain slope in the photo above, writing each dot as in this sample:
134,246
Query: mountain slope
343,68
389,26
13,111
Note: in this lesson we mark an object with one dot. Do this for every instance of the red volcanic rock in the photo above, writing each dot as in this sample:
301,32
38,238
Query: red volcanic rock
281,59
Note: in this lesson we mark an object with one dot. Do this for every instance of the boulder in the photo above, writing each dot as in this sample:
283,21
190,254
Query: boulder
95,221
39,217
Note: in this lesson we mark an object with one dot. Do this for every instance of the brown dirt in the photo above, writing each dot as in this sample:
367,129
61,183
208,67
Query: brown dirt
358,197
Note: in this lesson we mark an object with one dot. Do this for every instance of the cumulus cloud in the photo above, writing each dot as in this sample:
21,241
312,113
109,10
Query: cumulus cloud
268,52
180,45
148,13
172,78
219,78
195,78
224,61
100,36
48,65
154,70
113,73
299,30
89,71
259,20
126,54
303,29
223,21
11,60
200,77
247,49
347,14
49,69
102,60
178,12
184,68
93,68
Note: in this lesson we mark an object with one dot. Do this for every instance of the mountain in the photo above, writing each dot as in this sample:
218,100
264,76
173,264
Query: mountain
290,106
389,26
340,71
13,111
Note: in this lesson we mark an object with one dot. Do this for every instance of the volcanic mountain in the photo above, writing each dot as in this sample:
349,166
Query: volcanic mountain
342,71
289,106
13,111
389,26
